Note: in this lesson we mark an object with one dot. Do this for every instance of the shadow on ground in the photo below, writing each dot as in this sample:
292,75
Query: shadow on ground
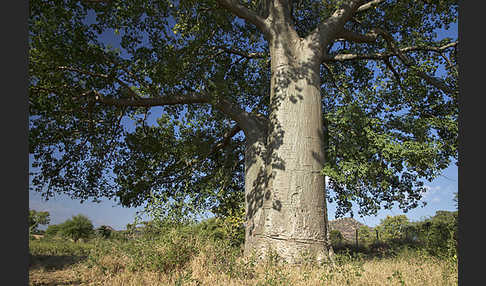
53,262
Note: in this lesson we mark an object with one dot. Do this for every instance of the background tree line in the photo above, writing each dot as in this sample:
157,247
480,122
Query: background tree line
438,235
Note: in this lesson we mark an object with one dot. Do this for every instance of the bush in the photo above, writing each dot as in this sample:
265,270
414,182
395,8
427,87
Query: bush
103,232
53,230
365,235
170,250
393,228
77,227
439,234
211,229
336,237
436,235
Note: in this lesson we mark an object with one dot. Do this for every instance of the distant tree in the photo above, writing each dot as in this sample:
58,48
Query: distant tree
365,234
393,227
52,230
37,218
336,237
439,233
456,199
446,217
103,231
77,227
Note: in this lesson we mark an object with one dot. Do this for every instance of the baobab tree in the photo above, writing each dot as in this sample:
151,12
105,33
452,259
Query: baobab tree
254,102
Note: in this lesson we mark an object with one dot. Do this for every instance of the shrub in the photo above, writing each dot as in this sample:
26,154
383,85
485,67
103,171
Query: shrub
393,227
439,234
365,235
336,237
103,231
77,227
53,230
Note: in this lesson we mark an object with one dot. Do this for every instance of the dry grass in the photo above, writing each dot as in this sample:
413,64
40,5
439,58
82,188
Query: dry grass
211,267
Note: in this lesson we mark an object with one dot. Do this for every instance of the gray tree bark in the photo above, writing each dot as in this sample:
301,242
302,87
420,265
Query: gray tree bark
284,187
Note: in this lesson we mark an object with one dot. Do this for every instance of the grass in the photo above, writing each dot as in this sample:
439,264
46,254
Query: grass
175,258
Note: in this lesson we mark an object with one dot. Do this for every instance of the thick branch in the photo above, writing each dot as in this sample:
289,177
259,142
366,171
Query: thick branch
244,13
381,56
243,118
254,55
369,5
350,36
327,30
400,53
151,101
226,139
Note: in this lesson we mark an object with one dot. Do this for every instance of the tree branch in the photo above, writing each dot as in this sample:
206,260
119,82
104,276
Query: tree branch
327,30
369,5
233,51
350,36
395,51
395,73
241,11
132,93
243,118
149,101
380,56
226,139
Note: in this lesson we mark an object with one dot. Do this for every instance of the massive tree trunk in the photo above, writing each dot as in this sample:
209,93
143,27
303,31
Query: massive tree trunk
285,189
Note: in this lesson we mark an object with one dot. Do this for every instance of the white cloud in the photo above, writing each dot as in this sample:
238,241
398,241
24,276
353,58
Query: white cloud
430,190
435,199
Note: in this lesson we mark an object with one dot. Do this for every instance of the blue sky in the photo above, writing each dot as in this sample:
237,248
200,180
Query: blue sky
439,195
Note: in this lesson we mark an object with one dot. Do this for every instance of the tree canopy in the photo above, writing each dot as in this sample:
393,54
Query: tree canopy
77,227
37,218
389,96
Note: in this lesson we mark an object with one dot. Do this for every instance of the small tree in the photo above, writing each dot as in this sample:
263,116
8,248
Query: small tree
336,237
439,233
365,234
37,218
393,227
52,230
103,231
456,199
77,227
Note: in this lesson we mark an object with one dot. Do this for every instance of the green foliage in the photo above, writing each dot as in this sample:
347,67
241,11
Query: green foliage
53,230
163,248
47,247
173,251
336,237
439,234
211,228
393,227
436,235
103,231
384,135
77,227
37,218
365,235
